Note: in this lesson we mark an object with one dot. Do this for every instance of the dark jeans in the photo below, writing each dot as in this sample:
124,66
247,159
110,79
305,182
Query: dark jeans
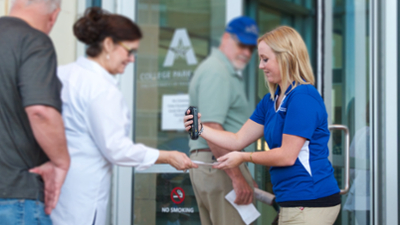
23,211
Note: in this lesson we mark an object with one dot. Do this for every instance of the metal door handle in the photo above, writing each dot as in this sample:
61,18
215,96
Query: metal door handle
347,156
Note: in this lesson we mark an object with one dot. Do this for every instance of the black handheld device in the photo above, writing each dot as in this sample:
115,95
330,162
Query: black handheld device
194,131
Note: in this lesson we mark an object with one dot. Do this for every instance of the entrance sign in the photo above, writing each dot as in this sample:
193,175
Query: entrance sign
180,47
177,195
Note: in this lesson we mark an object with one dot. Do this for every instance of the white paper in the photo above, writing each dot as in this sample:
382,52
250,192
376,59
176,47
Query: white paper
249,213
200,163
173,110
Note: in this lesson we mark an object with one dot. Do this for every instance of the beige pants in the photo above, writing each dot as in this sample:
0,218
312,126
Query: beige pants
210,187
308,215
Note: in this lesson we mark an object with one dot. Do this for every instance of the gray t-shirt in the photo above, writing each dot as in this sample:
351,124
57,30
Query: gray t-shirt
219,93
27,77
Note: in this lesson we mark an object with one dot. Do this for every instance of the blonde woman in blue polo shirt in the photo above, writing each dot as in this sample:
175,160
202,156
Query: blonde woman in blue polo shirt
293,120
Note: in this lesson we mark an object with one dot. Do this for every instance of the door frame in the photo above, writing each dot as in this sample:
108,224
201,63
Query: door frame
383,47
386,138
383,83
122,200
122,182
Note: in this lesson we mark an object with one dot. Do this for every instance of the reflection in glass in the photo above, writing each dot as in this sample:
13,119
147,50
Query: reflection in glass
162,188
350,105
177,35
160,73
299,14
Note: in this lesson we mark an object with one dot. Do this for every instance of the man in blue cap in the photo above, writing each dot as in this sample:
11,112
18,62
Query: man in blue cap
217,89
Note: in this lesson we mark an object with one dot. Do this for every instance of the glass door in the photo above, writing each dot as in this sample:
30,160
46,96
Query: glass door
177,36
347,97
345,87
301,15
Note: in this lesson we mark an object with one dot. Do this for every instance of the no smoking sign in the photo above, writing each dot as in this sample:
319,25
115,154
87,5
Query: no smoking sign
177,195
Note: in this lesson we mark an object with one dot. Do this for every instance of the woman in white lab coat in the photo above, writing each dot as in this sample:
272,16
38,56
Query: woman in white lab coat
97,119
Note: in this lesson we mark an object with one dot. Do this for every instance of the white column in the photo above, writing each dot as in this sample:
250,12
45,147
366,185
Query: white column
63,38
234,8
5,7
390,110
80,47
109,5
122,176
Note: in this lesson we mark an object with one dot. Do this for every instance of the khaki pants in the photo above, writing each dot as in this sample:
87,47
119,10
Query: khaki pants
308,215
210,187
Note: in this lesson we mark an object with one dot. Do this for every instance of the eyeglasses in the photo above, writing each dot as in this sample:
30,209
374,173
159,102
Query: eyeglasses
131,51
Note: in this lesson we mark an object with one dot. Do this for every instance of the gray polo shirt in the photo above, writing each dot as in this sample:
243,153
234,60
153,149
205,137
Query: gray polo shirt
27,77
218,92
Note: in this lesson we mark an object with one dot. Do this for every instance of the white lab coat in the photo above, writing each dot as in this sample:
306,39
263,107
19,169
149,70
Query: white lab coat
97,123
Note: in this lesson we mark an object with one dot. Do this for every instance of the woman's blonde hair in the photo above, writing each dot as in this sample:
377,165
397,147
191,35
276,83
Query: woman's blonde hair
292,56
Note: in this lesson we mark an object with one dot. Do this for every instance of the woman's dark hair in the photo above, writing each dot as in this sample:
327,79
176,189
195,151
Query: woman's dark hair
98,24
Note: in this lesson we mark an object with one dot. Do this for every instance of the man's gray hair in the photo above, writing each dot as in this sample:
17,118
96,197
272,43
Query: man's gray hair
52,4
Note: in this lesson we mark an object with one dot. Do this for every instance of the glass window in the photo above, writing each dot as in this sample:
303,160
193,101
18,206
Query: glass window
350,105
91,3
299,14
177,36
269,14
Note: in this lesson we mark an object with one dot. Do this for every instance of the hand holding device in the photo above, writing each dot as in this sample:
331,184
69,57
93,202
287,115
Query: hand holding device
194,130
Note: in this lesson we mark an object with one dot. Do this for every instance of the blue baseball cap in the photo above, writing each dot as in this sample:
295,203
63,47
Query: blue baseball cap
245,29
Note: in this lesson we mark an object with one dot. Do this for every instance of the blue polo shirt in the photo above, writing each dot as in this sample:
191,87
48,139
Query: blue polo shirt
301,113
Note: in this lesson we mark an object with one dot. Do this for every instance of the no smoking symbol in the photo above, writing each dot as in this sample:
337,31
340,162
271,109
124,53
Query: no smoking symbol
177,195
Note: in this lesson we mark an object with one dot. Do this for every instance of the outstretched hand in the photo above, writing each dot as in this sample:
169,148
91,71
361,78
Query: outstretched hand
188,120
53,178
230,160
180,161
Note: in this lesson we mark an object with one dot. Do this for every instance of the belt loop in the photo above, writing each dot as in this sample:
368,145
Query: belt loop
197,151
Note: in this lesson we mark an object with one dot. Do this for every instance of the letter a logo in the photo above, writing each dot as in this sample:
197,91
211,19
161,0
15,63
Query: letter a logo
180,47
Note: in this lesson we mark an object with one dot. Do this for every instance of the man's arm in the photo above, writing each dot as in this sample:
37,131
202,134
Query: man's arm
48,129
244,193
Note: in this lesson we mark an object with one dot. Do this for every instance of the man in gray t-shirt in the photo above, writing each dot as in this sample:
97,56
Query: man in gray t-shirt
217,89
33,154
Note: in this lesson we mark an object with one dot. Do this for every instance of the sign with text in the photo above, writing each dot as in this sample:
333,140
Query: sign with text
173,110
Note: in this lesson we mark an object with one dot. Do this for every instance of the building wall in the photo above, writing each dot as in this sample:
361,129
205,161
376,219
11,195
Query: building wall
4,7
62,35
